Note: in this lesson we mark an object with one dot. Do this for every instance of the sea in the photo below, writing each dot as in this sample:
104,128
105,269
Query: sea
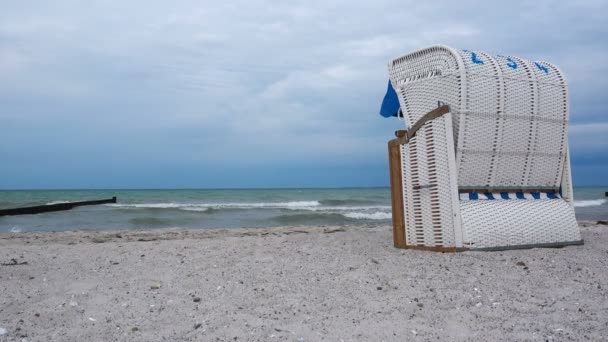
226,208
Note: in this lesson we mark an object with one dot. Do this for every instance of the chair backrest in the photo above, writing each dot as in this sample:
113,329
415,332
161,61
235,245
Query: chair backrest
510,115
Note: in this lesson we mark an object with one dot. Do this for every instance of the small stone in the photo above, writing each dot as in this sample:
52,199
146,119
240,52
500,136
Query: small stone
135,329
197,325
37,314
379,288
196,299
520,263
155,287
478,305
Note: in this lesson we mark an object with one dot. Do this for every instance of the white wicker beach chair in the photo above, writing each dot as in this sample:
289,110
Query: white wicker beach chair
484,164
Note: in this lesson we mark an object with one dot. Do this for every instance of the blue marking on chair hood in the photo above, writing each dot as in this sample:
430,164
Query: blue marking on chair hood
390,104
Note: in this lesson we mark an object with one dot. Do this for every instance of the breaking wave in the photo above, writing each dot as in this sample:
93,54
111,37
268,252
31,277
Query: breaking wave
378,215
590,203
203,206
345,202
57,202
294,205
328,211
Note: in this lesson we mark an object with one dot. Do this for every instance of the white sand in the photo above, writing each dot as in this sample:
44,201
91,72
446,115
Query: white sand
296,284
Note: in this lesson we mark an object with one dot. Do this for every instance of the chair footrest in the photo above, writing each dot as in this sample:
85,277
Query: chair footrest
499,223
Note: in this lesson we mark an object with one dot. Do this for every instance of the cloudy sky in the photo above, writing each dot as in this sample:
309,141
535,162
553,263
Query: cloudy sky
132,94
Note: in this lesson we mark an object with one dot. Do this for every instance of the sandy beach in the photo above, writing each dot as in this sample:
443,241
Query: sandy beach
294,284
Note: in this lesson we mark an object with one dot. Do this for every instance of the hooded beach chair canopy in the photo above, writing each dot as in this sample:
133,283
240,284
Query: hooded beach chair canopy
491,170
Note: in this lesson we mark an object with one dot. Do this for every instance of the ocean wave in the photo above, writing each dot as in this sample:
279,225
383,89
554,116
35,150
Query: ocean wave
590,203
343,208
310,218
294,204
330,217
310,205
57,202
214,207
207,210
16,230
146,205
345,202
378,215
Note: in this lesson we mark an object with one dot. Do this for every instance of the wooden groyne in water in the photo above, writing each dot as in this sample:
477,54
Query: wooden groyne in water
52,207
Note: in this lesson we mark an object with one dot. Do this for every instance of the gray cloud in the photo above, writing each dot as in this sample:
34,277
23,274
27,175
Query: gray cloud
206,84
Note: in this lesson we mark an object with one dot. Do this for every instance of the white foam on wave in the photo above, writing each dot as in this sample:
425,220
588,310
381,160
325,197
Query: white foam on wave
204,206
378,215
16,230
57,202
147,205
344,208
590,203
195,208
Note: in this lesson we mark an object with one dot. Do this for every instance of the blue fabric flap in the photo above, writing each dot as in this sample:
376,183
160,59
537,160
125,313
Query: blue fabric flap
390,104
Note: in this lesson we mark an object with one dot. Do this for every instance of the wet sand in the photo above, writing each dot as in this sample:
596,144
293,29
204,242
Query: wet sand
294,284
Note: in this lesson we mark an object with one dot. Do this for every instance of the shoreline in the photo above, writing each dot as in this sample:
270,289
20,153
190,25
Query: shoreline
159,234
294,283
154,234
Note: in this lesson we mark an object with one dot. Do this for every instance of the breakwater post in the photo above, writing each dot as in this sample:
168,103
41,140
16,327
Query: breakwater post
52,207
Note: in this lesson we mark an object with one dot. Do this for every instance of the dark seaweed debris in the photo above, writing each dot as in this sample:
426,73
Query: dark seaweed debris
14,262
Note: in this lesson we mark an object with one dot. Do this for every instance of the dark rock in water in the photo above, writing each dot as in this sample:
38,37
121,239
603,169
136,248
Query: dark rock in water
605,223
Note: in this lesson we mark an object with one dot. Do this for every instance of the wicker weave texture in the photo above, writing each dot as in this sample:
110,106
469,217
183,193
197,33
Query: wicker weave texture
510,115
517,222
427,197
